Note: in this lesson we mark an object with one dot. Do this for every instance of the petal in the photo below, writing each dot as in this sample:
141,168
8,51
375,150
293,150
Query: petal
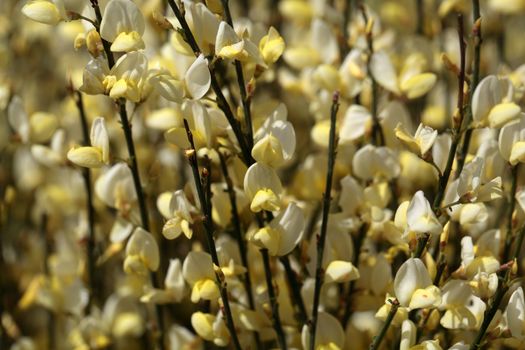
198,78
42,11
99,137
383,71
339,271
126,42
356,123
486,96
88,157
143,244
418,85
121,16
503,113
291,223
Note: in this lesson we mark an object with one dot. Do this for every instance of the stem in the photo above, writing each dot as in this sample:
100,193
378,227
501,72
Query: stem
462,154
456,136
51,331
378,137
295,290
379,338
347,14
133,165
86,174
332,143
105,44
245,100
420,8
509,237
221,100
277,326
240,240
357,248
489,315
206,209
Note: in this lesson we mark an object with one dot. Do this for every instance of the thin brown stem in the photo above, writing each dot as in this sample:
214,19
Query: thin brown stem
202,185
332,145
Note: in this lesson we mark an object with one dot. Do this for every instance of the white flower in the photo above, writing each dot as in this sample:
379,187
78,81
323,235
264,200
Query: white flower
115,187
125,80
456,296
180,221
200,123
356,123
420,217
198,272
512,141
413,85
44,11
198,78
275,140
175,287
491,102
97,154
470,184
515,314
283,233
413,286
370,162
421,142
142,253
329,333
263,188
211,328
123,26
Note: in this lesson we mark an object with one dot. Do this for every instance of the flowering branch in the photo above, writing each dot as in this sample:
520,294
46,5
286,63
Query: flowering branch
457,119
221,100
206,210
462,154
86,174
239,237
332,145
274,303
509,236
245,99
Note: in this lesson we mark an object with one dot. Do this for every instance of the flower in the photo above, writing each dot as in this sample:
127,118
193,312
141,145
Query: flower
413,286
142,253
180,220
198,272
97,154
420,217
123,26
283,233
263,187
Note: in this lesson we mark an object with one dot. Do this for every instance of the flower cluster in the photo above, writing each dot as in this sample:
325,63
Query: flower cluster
295,174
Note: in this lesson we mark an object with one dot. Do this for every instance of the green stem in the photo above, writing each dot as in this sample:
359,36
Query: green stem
105,44
357,248
509,236
332,144
240,239
420,8
221,100
274,303
295,290
456,136
245,100
378,137
382,333
462,154
86,174
204,196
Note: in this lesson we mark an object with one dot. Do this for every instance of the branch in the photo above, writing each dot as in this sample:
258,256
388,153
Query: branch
332,144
